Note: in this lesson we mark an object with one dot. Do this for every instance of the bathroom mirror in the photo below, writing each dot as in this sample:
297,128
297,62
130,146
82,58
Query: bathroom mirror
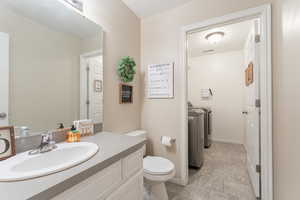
55,65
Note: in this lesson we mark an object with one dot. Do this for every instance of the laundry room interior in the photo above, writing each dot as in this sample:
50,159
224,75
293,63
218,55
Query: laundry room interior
220,88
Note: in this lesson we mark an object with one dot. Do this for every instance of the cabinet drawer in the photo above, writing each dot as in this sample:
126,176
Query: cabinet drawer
95,187
132,164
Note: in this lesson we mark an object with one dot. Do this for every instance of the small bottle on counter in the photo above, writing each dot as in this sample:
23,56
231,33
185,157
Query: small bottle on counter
73,135
60,126
77,135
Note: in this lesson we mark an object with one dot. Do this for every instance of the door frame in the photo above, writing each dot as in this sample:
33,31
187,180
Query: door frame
264,13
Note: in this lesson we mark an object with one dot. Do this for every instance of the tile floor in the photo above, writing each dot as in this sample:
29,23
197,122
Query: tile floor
223,177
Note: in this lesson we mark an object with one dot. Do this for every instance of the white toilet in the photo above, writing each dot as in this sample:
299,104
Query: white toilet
157,171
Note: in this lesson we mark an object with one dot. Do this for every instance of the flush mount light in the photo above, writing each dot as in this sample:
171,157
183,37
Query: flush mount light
215,37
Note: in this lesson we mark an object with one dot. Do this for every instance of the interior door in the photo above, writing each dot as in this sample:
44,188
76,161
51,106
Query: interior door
4,78
92,89
252,104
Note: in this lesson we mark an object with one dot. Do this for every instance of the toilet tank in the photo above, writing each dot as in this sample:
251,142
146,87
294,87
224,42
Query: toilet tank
139,133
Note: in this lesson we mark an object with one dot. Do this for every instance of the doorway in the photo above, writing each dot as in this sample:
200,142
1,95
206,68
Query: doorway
261,119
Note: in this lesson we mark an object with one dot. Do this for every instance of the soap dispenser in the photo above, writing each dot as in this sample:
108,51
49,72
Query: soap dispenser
73,135
60,126
76,135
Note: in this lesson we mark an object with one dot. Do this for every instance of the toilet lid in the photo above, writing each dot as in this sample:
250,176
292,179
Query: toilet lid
157,165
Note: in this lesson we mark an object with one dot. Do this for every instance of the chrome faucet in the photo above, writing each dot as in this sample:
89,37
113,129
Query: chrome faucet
47,144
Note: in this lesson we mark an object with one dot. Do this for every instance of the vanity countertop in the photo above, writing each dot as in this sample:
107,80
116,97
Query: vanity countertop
112,147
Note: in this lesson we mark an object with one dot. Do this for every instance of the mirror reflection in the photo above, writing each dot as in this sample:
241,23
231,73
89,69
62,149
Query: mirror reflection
55,66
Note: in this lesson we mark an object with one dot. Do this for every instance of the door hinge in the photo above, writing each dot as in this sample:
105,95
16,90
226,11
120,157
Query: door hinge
258,168
257,38
87,102
257,103
88,68
258,198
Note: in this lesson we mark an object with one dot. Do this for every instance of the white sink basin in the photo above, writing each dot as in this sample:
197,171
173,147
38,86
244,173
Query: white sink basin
24,166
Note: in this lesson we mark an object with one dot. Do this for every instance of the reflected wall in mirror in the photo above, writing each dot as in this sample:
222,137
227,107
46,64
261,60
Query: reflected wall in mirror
55,65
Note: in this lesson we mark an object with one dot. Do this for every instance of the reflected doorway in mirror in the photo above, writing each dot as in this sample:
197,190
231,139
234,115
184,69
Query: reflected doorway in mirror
91,87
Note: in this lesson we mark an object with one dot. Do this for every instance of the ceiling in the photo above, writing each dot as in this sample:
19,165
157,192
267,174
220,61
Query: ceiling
55,15
146,8
234,39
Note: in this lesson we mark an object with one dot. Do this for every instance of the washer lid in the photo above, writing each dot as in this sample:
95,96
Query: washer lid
157,165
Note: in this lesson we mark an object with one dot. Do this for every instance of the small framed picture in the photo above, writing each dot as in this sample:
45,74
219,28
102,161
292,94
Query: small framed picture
7,142
98,86
126,93
249,74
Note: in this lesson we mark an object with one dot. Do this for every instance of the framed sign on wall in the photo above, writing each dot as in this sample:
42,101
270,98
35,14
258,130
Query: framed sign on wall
161,81
126,93
7,142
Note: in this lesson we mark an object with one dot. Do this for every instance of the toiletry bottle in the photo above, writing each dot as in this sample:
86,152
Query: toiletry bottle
70,135
76,135
61,126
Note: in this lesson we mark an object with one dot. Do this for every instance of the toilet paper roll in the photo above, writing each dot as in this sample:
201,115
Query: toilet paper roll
167,141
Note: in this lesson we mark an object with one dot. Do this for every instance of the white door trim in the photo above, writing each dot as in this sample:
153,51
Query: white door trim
264,13
91,54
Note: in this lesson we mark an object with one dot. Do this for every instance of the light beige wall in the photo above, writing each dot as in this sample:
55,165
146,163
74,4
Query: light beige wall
160,43
286,97
91,44
224,74
121,38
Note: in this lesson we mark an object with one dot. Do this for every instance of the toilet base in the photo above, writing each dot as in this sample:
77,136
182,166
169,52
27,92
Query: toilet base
156,185
156,190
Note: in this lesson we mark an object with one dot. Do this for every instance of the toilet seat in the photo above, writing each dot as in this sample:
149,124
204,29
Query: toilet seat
154,165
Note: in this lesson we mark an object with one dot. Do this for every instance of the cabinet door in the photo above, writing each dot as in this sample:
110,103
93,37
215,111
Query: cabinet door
132,164
131,190
96,187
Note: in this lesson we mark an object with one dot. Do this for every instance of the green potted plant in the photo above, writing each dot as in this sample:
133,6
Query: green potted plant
126,69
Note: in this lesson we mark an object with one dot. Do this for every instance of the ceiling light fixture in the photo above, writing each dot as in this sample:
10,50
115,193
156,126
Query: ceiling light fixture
215,37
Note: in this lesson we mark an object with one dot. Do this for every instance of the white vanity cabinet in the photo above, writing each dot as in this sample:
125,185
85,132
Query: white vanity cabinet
131,190
122,180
